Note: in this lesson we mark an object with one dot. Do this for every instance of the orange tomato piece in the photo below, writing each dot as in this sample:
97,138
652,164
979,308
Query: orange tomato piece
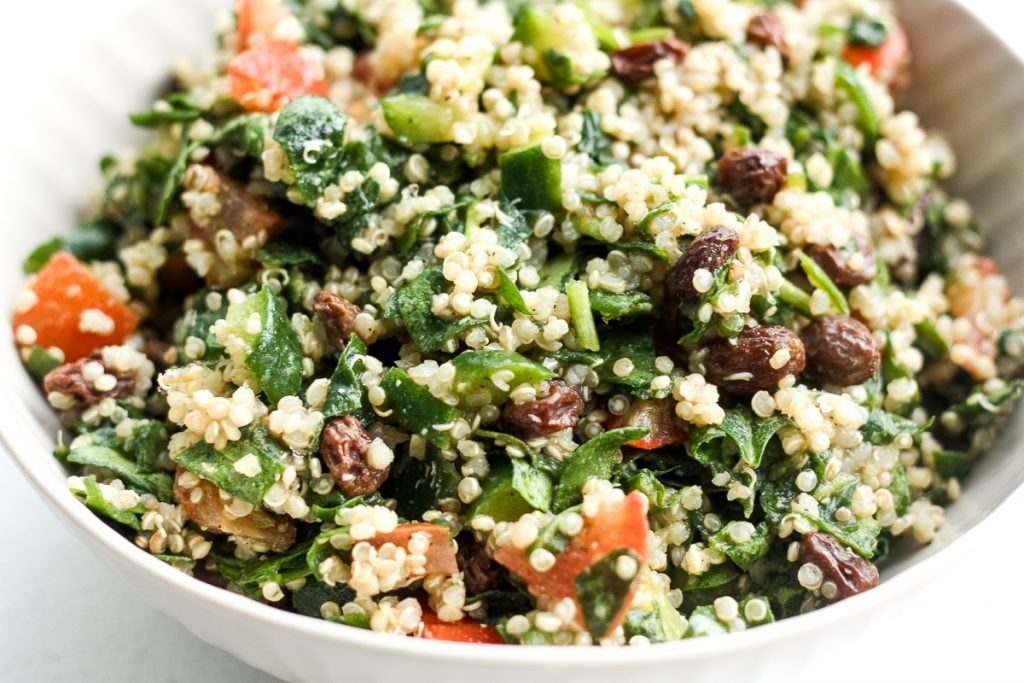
622,524
440,552
658,415
888,62
266,77
64,290
465,631
257,19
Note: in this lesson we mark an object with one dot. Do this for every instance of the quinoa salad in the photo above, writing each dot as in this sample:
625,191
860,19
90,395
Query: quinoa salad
608,322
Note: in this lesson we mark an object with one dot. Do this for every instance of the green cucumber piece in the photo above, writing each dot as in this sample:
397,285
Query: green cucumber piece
532,178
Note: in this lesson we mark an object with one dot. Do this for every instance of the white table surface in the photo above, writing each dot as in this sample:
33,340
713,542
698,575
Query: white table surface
63,616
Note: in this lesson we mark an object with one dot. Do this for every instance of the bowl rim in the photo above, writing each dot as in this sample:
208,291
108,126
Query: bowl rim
37,465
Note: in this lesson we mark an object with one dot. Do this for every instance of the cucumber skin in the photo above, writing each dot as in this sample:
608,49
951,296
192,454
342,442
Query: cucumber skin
532,178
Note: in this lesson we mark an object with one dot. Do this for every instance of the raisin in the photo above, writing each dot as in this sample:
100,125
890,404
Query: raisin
479,572
69,380
560,409
766,30
758,359
338,316
343,447
850,266
710,250
840,351
751,175
635,63
850,572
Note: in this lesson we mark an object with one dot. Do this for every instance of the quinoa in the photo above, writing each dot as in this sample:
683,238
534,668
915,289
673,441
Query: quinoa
583,345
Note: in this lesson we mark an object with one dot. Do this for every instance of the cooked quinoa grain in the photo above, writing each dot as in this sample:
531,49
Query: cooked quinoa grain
541,323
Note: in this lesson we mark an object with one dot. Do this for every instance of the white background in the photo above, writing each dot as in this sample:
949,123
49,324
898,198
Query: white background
63,616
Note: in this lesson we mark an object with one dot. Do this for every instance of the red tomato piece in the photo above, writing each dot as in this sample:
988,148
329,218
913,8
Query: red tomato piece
440,553
888,62
658,415
257,19
64,290
465,631
267,77
622,524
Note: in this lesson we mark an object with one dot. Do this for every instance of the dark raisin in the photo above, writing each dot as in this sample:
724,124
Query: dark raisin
751,175
840,351
849,266
479,572
767,30
560,409
343,447
710,250
635,63
69,380
747,364
338,316
850,572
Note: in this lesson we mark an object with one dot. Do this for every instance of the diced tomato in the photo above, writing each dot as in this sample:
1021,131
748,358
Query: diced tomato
208,511
257,19
622,524
658,415
889,62
440,552
465,631
65,289
267,77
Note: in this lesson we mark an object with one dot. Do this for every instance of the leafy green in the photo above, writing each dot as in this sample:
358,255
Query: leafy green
175,108
416,408
86,243
866,32
443,214
282,252
704,622
488,371
534,486
40,361
602,593
848,81
820,279
311,130
157,483
308,599
744,554
952,463
613,307
345,395
198,321
218,466
635,344
413,302
594,459
510,294
748,434
594,142
174,175
883,427
417,484
93,498
250,575
275,353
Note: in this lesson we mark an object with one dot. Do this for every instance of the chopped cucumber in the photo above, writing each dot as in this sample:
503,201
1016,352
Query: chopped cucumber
532,178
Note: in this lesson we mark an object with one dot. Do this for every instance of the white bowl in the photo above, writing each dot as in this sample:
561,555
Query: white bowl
80,115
